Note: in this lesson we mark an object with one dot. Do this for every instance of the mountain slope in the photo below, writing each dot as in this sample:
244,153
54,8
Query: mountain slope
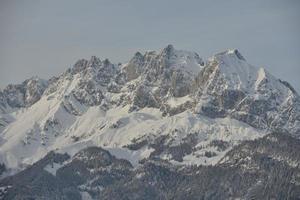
169,105
266,168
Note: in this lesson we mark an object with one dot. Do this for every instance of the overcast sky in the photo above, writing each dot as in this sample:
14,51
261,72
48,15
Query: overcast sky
44,38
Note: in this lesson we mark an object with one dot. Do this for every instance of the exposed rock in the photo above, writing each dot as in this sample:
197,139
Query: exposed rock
22,95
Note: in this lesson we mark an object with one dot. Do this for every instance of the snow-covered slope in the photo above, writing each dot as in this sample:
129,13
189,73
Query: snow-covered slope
168,105
229,86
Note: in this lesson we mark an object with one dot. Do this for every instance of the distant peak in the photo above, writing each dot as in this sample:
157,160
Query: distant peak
137,58
35,78
234,53
83,64
169,46
138,54
168,50
94,62
237,53
106,62
150,53
94,59
79,65
31,80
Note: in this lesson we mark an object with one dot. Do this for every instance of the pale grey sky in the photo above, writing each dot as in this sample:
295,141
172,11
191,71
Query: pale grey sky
44,38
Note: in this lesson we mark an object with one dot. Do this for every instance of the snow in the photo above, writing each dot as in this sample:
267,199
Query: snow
93,129
86,196
174,102
233,72
26,137
189,61
198,158
30,123
237,72
52,168
261,75
132,156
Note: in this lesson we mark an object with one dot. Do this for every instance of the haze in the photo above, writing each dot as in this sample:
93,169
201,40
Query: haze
44,38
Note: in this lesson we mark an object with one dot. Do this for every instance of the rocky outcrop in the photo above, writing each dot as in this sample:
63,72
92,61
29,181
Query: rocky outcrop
22,95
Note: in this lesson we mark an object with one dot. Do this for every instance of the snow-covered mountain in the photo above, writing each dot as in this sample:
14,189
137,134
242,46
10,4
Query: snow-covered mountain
170,105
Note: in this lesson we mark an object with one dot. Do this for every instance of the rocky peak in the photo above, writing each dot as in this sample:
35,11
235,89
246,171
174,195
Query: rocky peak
238,54
106,62
137,59
94,62
188,104
230,70
34,89
80,65
134,67
93,68
226,85
107,71
229,86
138,54
230,53
168,51
24,94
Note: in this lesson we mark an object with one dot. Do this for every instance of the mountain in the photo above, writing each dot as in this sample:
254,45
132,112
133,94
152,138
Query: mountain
22,95
161,116
253,170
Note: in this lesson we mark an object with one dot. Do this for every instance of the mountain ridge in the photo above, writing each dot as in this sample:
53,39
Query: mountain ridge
170,105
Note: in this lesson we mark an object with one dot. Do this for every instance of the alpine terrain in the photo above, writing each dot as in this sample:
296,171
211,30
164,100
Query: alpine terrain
165,125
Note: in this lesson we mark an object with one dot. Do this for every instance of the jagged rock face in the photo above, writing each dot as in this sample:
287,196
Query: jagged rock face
87,81
190,109
228,86
87,93
167,70
15,95
135,67
144,98
34,90
169,73
225,86
22,95
173,70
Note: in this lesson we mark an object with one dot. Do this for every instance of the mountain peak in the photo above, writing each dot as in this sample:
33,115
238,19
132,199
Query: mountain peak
158,105
236,53
79,65
94,62
137,59
106,62
138,54
168,50
169,47
83,64
230,53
